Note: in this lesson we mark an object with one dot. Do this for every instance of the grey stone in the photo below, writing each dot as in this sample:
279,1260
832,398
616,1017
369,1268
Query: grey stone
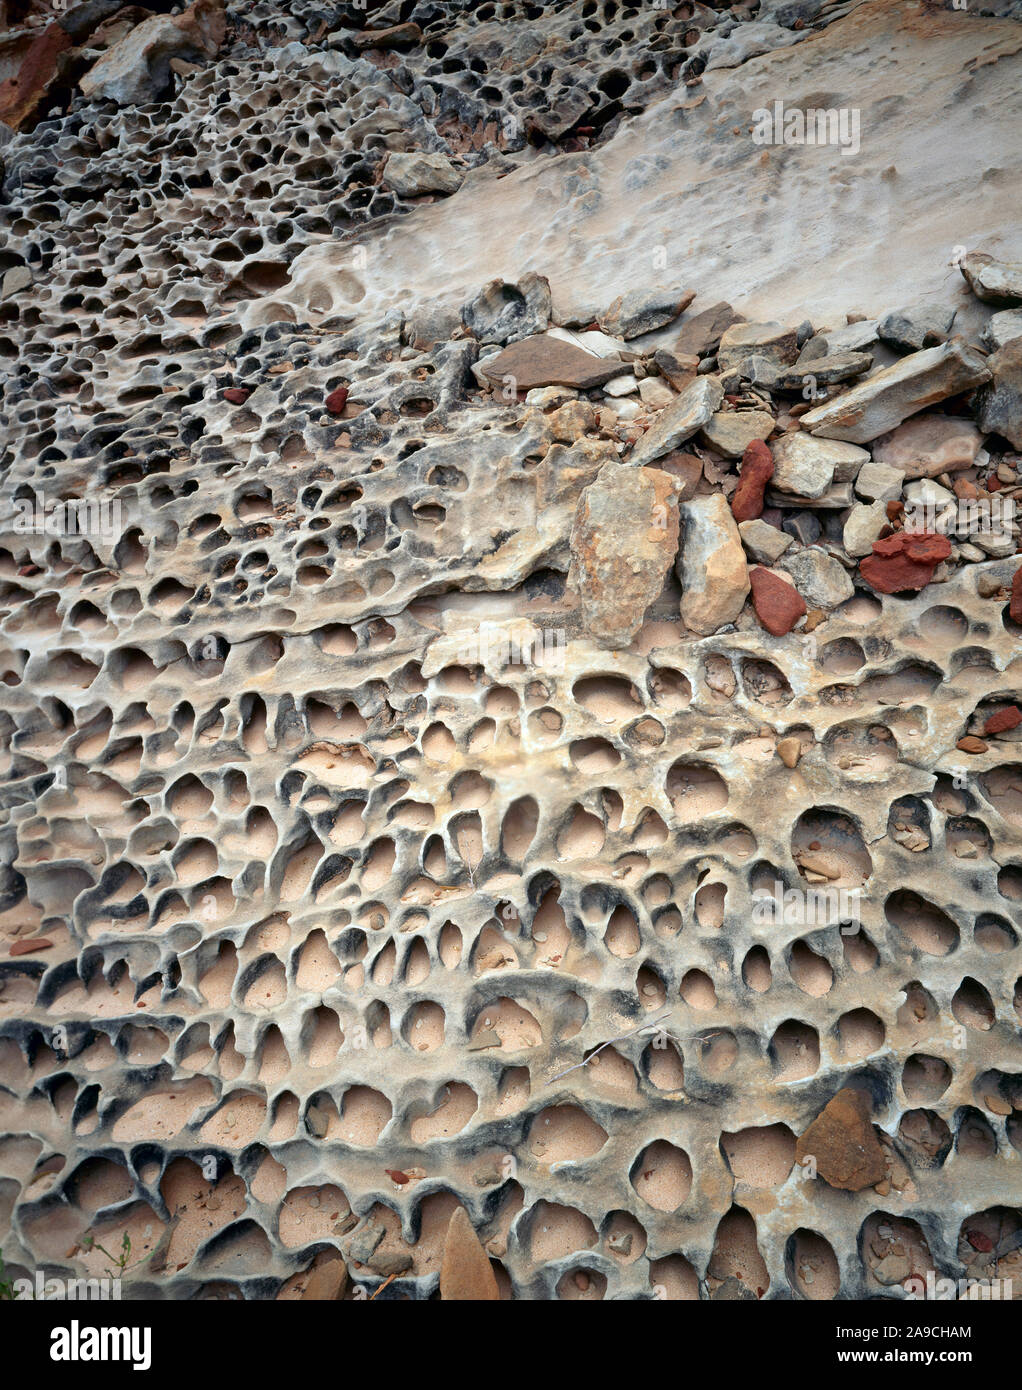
852,337
731,432
879,482
806,467
412,175
644,311
686,414
779,345
863,527
812,371
993,281
921,326
765,543
819,578
1002,328
804,527
1000,404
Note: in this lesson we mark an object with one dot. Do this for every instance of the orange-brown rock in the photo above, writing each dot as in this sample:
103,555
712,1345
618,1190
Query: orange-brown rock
843,1142
465,1274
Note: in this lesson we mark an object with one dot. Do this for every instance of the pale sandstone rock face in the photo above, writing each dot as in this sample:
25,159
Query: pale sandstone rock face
370,923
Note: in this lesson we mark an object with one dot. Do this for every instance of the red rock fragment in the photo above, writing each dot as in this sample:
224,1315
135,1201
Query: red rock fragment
757,470
337,400
979,1241
1015,606
29,947
971,744
237,395
396,1175
1003,720
777,603
905,560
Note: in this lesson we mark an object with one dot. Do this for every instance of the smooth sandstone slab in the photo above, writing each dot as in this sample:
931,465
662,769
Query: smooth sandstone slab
884,400
928,445
806,467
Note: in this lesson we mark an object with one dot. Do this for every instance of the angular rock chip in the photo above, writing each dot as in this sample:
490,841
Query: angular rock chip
993,281
1000,403
819,578
777,603
1002,328
884,400
862,527
465,1272
623,543
929,445
711,565
921,326
687,414
844,1144
643,311
779,345
806,467
837,367
414,174
730,432
545,361
701,333
764,542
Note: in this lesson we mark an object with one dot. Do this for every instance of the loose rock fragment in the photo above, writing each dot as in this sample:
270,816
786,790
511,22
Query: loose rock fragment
904,561
777,603
623,543
711,566
465,1274
844,1144
680,421
757,470
643,311
993,281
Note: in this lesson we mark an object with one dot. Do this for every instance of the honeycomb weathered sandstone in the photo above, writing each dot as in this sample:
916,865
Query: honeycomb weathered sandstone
386,822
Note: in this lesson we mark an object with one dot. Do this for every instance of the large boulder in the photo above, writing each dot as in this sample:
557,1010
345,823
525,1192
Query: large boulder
137,70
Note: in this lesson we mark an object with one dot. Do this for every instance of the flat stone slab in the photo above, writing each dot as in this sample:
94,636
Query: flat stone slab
546,361
883,401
